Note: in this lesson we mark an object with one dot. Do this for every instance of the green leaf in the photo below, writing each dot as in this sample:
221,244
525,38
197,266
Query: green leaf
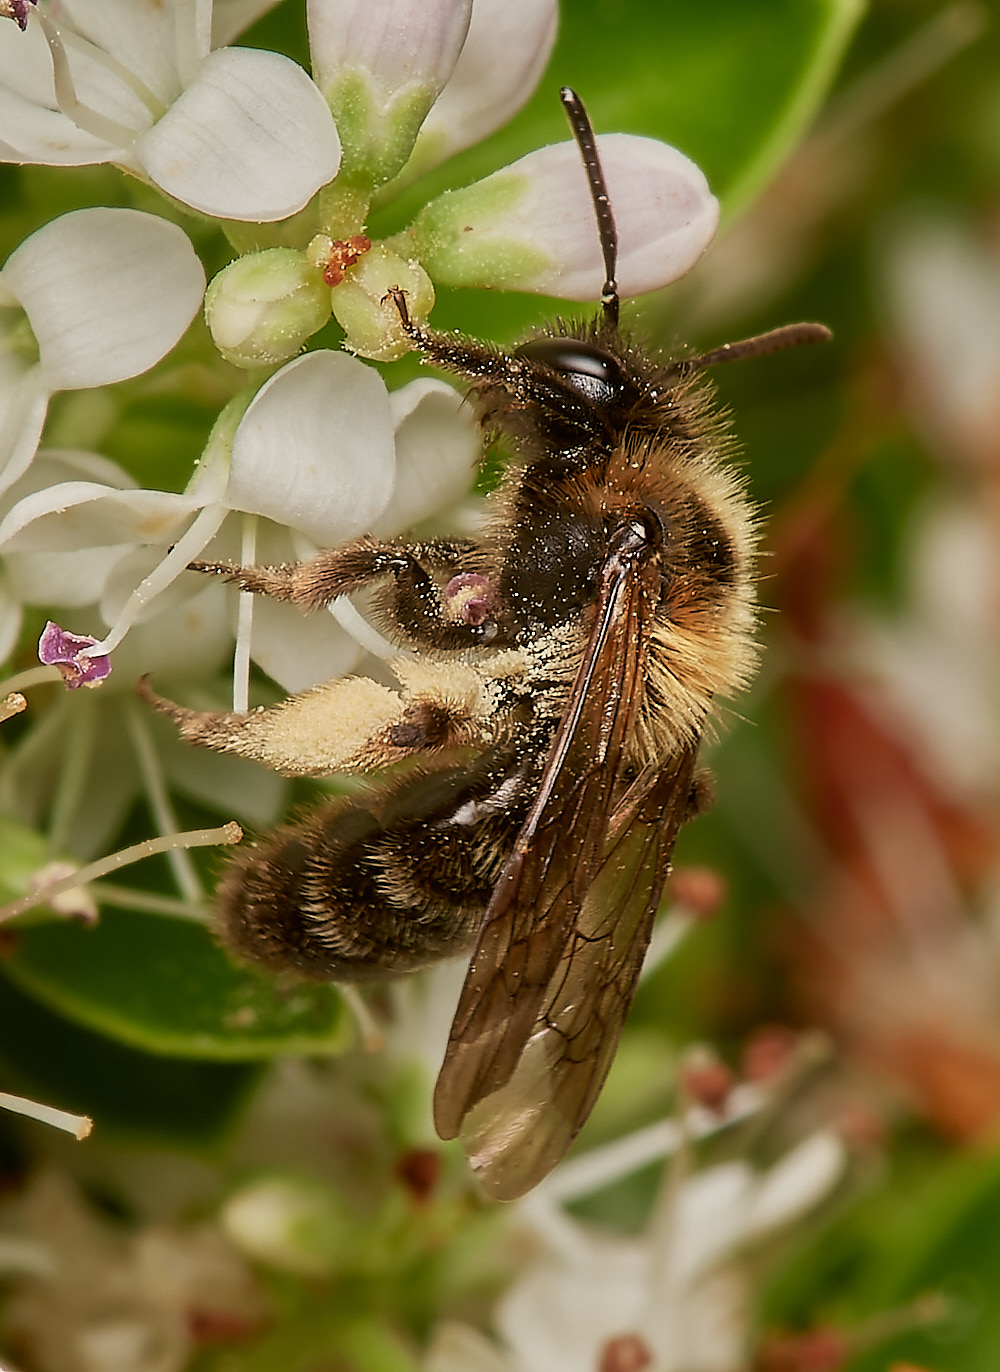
22,854
163,985
925,1242
732,83
48,1058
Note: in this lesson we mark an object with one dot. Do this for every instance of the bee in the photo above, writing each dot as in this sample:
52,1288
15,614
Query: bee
531,774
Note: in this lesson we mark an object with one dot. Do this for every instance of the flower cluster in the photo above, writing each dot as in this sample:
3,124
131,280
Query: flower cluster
289,166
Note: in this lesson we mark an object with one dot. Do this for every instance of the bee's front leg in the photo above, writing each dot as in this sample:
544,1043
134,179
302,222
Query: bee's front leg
455,614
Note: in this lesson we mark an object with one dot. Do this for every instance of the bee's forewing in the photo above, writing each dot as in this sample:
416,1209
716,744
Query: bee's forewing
563,936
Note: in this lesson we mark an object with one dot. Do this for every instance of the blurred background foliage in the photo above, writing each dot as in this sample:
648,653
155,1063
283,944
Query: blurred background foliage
856,151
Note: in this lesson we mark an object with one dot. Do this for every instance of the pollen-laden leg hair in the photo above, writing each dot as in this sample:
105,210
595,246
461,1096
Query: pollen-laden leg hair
438,596
354,724
398,876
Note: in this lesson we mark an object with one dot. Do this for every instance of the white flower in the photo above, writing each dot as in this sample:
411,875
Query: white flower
236,133
381,68
396,46
940,661
943,293
322,453
483,92
94,297
677,1294
85,1294
531,226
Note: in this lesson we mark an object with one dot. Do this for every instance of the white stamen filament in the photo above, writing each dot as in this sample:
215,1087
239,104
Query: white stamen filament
188,546
353,622
59,37
602,1166
31,676
372,1037
74,774
244,621
127,898
667,934
193,838
78,1125
348,616
164,817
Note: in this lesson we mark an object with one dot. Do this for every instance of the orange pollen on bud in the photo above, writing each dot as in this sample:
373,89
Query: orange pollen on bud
344,253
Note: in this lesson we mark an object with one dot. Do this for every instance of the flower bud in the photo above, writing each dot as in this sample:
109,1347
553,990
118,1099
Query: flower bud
368,313
531,226
381,68
262,307
290,1224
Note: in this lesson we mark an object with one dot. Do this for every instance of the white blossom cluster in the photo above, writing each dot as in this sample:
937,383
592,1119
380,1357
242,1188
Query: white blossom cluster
315,449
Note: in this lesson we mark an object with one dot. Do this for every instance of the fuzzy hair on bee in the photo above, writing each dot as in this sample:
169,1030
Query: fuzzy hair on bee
527,778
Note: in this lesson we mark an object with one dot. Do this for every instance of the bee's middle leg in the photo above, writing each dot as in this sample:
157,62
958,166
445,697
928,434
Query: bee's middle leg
450,617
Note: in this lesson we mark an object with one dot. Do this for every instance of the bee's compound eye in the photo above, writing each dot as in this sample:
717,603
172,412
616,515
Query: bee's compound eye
587,368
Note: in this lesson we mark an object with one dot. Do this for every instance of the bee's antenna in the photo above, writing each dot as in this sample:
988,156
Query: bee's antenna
583,132
788,336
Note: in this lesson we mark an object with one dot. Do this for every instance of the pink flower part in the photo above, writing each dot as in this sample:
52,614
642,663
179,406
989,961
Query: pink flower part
470,598
16,10
57,648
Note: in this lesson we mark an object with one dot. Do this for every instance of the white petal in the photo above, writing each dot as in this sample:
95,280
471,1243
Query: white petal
158,44
10,621
231,785
59,466
136,57
25,67
186,635
437,444
798,1182
250,138
33,128
315,449
709,1218
400,42
483,93
61,578
531,226
231,17
460,1348
85,514
55,465
107,293
557,1317
24,399
61,543
46,137
299,650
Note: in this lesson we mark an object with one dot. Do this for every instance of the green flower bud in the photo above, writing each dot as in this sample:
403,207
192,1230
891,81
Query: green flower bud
291,1224
377,129
366,310
480,235
262,307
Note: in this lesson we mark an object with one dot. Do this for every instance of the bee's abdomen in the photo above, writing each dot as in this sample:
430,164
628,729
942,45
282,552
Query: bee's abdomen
375,886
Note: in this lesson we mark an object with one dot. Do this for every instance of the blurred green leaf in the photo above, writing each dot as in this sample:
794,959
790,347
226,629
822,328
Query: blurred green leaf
163,985
674,71
927,1238
48,1058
